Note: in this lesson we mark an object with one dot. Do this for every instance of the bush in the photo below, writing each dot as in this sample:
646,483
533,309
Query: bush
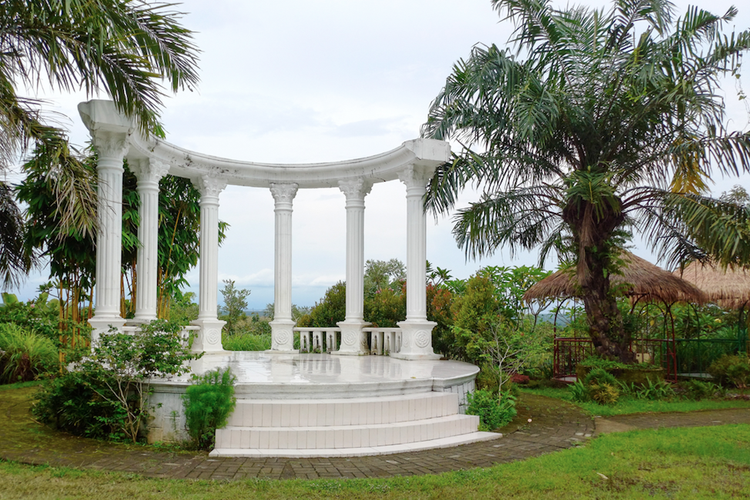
731,370
655,390
114,382
599,376
24,355
579,392
697,390
599,386
605,393
73,403
493,412
208,404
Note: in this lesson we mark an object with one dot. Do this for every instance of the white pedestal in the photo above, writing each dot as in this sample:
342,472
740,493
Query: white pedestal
209,335
353,341
416,340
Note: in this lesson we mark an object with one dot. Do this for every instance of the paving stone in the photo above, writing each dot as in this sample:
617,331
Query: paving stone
553,427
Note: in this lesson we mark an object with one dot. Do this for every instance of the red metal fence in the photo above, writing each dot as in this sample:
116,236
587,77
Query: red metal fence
571,351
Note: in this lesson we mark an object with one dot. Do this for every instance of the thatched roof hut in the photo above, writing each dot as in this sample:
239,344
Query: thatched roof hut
727,287
644,281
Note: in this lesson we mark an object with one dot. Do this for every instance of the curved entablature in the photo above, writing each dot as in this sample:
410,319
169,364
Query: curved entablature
99,115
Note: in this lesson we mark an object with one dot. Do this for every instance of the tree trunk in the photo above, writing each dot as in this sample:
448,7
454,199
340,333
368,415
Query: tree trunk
593,229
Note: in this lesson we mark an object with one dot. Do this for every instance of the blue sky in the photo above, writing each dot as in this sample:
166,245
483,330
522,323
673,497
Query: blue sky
301,81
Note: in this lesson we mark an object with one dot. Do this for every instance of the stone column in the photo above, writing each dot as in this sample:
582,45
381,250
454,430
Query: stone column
353,340
416,331
111,148
209,338
149,172
282,337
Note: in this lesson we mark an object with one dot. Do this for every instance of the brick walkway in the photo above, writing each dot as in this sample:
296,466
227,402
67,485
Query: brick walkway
554,425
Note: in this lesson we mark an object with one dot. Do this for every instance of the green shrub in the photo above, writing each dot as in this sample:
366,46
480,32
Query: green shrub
579,392
73,403
493,412
655,390
698,389
24,355
111,386
731,370
599,376
604,393
208,404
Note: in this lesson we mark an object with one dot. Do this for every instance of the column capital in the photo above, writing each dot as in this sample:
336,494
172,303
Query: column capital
149,170
109,144
355,189
284,192
209,186
416,177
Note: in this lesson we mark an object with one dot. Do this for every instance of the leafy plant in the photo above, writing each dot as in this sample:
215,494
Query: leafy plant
119,371
493,412
579,392
234,306
208,404
731,369
73,403
698,389
604,393
600,376
24,355
655,390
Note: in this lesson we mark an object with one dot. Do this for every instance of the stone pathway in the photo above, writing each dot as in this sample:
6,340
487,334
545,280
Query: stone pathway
554,425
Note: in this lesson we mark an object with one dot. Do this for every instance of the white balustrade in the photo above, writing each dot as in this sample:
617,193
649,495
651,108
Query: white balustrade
384,341
314,339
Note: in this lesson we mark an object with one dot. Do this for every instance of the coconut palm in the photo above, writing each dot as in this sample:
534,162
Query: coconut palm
592,125
130,49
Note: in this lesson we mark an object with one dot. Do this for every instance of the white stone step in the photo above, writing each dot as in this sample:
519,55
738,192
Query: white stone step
338,412
345,436
357,452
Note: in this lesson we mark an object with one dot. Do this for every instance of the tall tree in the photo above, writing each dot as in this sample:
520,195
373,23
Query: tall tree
593,124
129,49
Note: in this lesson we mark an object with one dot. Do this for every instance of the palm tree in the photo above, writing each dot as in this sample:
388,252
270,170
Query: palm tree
592,125
130,49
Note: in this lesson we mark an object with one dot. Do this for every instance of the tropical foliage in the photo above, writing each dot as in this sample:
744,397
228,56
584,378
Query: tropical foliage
128,49
115,382
591,125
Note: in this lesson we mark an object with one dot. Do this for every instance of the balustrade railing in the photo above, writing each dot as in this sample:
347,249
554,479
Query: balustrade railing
382,341
313,339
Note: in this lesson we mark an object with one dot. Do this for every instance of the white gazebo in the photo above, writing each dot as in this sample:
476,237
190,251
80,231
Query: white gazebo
276,381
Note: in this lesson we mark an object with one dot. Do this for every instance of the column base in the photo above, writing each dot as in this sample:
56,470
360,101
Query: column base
282,336
416,340
101,325
209,335
353,340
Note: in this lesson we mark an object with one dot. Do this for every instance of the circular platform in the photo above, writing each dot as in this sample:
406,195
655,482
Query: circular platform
262,375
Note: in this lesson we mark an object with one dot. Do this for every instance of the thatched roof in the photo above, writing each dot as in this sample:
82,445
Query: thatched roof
644,280
727,287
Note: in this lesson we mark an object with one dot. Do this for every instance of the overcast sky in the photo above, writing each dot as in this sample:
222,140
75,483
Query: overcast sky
324,80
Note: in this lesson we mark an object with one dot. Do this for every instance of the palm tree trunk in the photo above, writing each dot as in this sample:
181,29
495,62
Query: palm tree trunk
593,229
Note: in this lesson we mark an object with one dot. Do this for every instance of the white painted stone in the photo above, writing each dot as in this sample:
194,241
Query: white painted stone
148,172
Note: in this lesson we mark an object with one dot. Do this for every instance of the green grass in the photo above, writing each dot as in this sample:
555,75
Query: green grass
246,342
19,385
628,405
690,463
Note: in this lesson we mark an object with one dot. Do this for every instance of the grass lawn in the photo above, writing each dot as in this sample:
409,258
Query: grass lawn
707,462
627,405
